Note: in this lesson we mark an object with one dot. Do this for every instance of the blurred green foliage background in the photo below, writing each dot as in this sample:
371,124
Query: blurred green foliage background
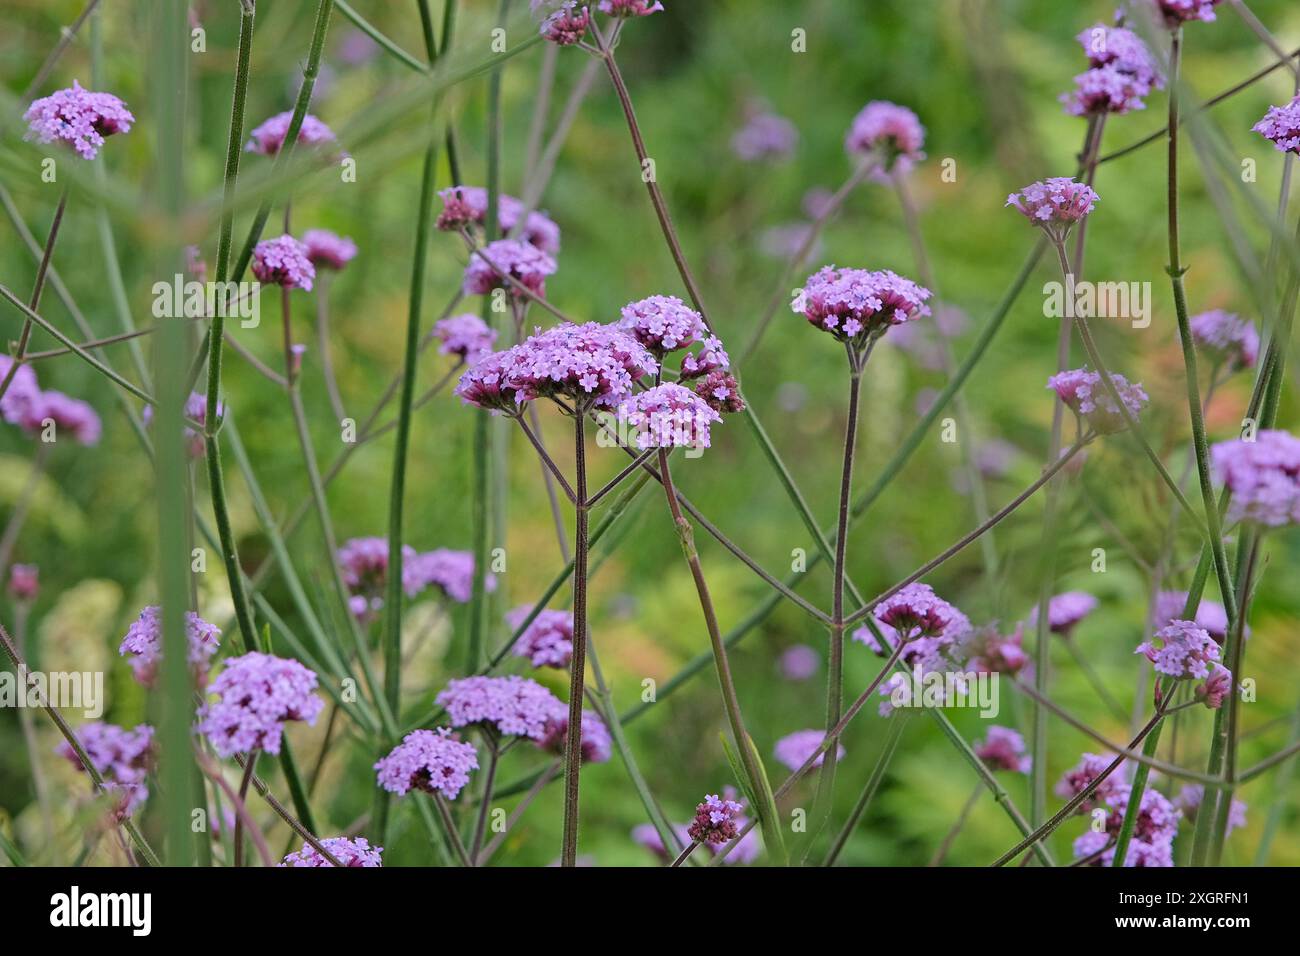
984,76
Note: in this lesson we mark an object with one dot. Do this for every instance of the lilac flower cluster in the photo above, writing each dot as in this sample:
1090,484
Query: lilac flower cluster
142,645
548,640
268,139
566,24
1066,610
451,572
590,364
711,357
521,261
1228,339
513,706
1181,650
24,582
597,745
1122,72
1004,749
1263,476
68,415
1281,125
256,694
630,8
890,134
663,324
921,619
1083,391
283,261
465,335
1189,801
715,820
669,416
79,117
1081,776
799,663
765,136
327,250
356,852
1210,615
363,563
721,391
1154,829
855,305
794,749
1178,12
1054,205
434,761
122,758
23,391
989,651
466,205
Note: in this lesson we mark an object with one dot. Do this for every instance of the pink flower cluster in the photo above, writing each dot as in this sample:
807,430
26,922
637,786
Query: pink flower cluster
466,205
1281,125
1181,650
765,136
78,117
669,416
715,820
1228,339
1004,749
327,250
1065,610
1178,12
566,24
1086,395
433,761
855,305
1263,476
1123,71
721,391
1152,843
889,133
256,694
548,640
34,410
1210,615
122,758
142,645
521,261
513,706
283,261
1055,204
630,8
451,572
465,335
662,323
24,582
794,749
268,139
989,651
350,853
1189,801
23,391
597,745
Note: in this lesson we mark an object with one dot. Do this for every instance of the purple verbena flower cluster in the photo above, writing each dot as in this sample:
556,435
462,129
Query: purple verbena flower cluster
856,305
328,250
663,324
548,640
1065,610
434,761
668,416
123,758
142,645
512,706
521,261
794,749
350,852
1263,476
256,694
79,117
715,820
597,745
1083,391
283,261
1004,749
1055,205
889,134
268,139
467,205
465,335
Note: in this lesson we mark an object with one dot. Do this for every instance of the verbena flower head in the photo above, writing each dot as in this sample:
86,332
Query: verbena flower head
1120,47
69,416
23,393
1189,802
1181,650
916,611
590,364
855,305
669,416
989,651
1066,610
1281,125
663,324
793,749
1083,391
465,335
283,261
452,572
1080,777
890,133
1055,205
467,205
1004,749
24,582
1263,476
715,820
1216,688
513,706
1105,89
327,250
799,663
721,391
493,382
142,645
1178,12
256,694
563,23
523,262
268,139
1156,824
711,357
78,117
765,136
1227,339
118,754
630,8
349,852
647,836
434,761
363,563
548,640
196,410
597,745
1210,615
1140,853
